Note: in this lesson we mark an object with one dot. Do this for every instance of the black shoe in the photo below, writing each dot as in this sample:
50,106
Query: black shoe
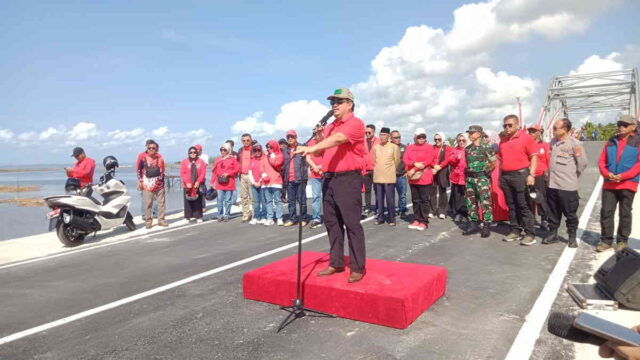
573,243
485,232
472,229
552,238
544,225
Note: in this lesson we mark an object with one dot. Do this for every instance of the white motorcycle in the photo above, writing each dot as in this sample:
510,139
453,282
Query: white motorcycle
77,213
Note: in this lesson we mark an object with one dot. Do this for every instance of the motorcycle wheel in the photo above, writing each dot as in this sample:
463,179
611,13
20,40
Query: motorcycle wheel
128,221
69,235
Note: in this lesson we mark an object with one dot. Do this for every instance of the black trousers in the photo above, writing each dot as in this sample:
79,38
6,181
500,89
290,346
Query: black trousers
367,179
342,204
563,202
610,201
420,198
192,208
438,199
541,185
458,204
386,192
513,184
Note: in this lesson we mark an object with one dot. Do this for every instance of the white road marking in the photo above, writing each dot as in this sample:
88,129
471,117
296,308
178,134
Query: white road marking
151,292
525,341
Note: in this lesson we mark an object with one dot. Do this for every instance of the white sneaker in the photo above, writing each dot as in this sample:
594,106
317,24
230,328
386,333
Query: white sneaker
441,216
262,222
430,216
199,221
253,221
268,222
280,222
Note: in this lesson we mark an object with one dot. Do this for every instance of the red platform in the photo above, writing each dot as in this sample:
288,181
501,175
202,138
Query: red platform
392,293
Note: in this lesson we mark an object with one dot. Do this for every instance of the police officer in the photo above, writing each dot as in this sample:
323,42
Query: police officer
481,159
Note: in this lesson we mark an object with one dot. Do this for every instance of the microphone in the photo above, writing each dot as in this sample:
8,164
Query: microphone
323,121
561,324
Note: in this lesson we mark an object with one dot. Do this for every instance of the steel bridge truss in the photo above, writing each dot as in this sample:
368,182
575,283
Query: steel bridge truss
612,91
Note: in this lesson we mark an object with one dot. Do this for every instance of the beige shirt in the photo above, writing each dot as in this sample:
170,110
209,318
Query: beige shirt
568,160
387,158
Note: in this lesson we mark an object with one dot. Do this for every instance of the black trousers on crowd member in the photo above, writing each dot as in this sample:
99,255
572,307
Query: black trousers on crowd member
458,204
513,184
386,192
541,184
563,202
438,199
367,179
610,200
342,204
192,208
420,198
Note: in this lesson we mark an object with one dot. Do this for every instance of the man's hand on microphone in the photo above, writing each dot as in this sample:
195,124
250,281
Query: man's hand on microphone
612,350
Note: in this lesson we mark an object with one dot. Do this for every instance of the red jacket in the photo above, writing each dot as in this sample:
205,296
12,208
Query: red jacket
457,161
83,171
371,161
222,165
272,164
257,168
421,153
185,171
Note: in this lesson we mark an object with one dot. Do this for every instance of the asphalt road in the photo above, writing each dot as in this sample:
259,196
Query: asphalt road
491,288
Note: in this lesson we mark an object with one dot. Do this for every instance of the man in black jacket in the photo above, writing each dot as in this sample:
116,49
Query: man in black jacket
295,174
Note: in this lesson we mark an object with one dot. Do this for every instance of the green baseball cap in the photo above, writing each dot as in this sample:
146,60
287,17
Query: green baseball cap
341,93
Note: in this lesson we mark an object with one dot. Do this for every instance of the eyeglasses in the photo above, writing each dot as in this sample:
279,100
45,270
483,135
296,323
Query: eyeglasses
622,124
246,140
152,148
291,136
223,149
337,101
396,137
507,126
422,137
437,139
193,152
462,140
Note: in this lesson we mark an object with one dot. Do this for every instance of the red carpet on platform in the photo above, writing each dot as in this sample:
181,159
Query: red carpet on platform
392,293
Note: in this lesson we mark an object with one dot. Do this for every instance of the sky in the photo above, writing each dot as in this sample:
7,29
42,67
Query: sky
106,75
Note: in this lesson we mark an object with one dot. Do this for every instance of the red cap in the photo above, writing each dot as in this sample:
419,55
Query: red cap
198,146
292,132
535,127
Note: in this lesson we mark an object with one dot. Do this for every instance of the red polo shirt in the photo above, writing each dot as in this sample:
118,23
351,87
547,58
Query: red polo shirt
544,152
351,155
515,152
316,160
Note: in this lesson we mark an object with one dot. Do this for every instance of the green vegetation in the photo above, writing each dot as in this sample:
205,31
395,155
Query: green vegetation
604,131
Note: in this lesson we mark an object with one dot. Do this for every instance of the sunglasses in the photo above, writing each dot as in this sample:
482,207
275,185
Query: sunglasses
462,140
622,124
193,152
152,148
437,139
507,126
291,136
423,137
337,101
369,132
223,149
246,140
396,137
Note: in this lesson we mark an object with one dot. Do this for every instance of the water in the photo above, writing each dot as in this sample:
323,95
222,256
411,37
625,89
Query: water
16,221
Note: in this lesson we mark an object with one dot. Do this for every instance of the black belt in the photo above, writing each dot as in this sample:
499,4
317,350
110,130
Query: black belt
475,174
329,175
523,170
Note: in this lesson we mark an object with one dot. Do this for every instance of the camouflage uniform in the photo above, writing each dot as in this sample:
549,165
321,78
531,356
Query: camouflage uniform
478,181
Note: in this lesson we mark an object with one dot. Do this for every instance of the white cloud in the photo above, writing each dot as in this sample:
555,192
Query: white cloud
301,115
161,131
49,133
83,131
595,63
6,135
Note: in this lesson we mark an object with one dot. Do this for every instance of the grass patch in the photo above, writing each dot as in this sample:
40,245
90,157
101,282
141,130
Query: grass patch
13,189
32,202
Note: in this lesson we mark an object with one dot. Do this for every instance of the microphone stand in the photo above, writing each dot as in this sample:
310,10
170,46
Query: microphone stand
297,309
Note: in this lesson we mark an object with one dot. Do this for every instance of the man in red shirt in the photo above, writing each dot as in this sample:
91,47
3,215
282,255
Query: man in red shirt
244,159
619,164
83,169
344,156
541,176
518,162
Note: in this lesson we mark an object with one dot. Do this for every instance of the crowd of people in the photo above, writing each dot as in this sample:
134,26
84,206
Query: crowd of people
513,176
